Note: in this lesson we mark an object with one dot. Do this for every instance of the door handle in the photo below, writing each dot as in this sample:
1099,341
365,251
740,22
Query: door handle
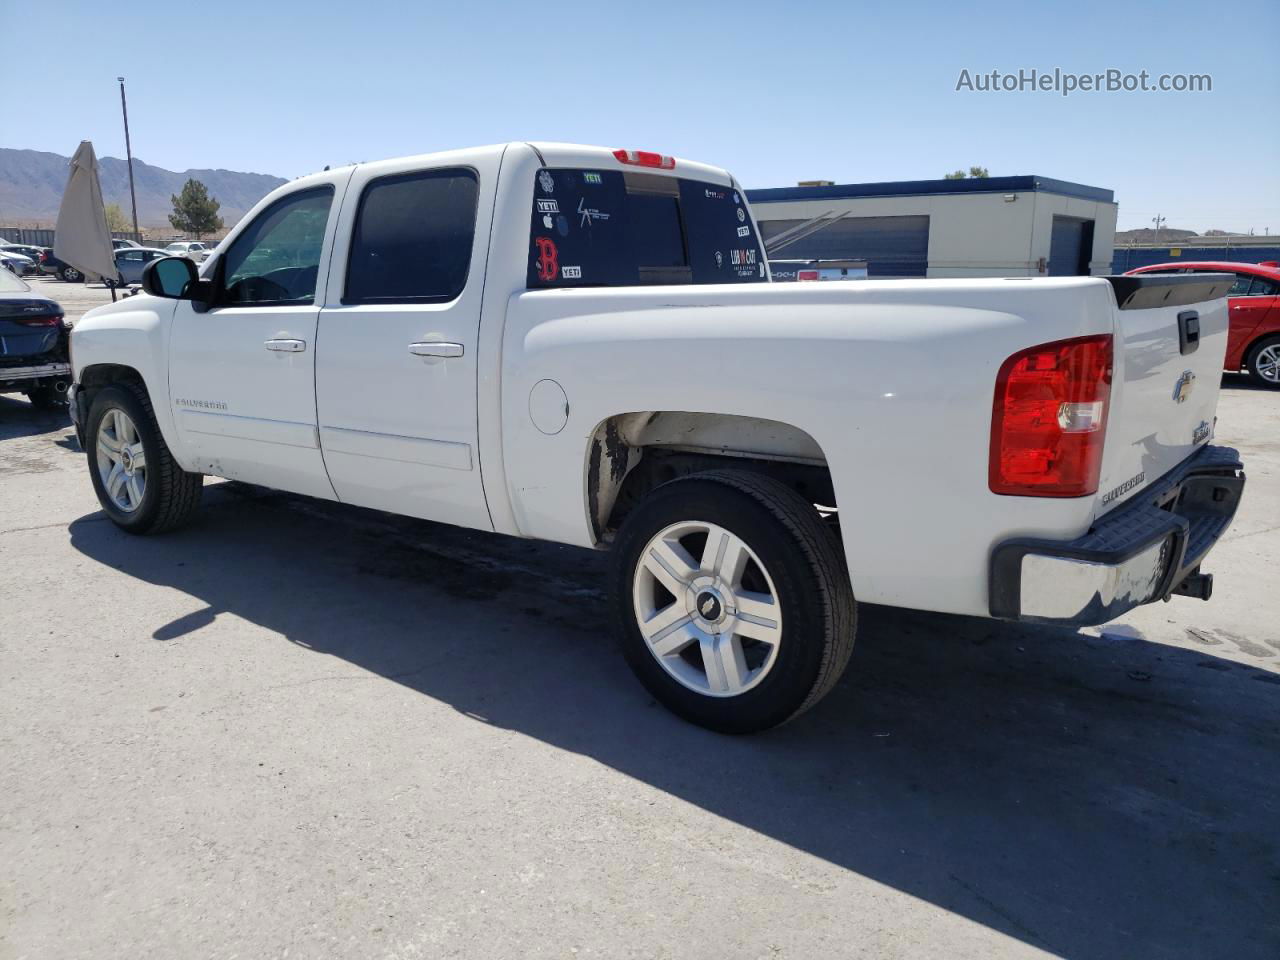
1188,331
436,349
286,346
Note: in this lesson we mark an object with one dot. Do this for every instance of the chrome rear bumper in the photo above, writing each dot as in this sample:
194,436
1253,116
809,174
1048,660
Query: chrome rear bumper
1148,549
34,373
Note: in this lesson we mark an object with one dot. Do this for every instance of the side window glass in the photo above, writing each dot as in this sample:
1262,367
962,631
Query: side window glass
277,257
412,238
1262,288
1241,287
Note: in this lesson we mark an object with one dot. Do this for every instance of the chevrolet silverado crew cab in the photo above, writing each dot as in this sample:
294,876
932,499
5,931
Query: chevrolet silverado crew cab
583,345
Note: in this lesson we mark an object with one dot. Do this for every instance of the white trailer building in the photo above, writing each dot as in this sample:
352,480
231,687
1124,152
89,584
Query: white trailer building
988,227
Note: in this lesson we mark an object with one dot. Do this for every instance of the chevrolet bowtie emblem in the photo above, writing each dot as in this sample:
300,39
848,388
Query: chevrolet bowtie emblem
1182,389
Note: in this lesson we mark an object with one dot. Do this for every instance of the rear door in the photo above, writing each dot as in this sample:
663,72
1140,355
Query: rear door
396,365
1171,336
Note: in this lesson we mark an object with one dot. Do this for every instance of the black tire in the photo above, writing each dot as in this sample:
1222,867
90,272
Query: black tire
1251,362
47,398
171,495
70,275
811,583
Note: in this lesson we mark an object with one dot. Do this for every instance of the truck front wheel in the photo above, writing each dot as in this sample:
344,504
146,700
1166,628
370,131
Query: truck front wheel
736,609
138,483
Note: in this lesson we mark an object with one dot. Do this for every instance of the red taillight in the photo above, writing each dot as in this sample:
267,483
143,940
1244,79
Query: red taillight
38,320
44,256
1049,419
806,274
643,158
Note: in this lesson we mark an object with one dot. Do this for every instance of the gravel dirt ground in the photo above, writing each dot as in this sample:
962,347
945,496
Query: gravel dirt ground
297,728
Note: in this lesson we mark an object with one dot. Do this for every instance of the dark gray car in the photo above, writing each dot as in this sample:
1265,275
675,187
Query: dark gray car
33,344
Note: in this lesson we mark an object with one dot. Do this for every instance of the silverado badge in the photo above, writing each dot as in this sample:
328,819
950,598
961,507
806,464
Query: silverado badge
1182,389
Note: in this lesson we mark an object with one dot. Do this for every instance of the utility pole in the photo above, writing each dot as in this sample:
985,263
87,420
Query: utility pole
128,150
1158,220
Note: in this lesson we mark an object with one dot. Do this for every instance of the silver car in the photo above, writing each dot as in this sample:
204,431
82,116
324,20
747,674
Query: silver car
130,261
15,262
191,249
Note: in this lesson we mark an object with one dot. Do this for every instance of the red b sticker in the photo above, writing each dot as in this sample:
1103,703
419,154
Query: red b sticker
548,260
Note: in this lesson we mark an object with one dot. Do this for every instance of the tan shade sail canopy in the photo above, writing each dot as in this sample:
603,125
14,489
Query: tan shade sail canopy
82,237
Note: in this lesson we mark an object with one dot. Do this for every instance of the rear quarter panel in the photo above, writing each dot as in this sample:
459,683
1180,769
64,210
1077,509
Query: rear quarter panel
893,379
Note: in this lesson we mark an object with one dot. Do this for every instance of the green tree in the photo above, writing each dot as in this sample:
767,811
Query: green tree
194,211
117,221
977,173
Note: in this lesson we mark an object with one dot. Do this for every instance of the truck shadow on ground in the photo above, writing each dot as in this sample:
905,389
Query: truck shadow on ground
18,418
1093,797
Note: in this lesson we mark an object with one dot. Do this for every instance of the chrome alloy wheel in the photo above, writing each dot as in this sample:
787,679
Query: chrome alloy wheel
122,464
1267,363
707,608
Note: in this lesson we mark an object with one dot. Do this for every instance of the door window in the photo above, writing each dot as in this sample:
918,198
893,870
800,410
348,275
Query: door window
277,258
412,238
1241,287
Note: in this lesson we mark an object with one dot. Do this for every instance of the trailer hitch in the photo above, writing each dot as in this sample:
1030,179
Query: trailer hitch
1198,585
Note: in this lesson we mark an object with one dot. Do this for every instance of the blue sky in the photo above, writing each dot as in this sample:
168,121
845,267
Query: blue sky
777,92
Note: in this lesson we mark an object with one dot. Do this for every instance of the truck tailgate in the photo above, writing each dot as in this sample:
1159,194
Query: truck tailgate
1170,341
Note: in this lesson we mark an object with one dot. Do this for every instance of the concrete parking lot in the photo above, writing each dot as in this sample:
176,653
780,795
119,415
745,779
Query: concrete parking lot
297,728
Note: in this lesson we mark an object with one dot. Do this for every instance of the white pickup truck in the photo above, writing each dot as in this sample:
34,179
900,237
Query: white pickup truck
583,345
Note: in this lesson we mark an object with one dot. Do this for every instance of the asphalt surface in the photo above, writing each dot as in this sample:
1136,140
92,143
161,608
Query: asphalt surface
302,729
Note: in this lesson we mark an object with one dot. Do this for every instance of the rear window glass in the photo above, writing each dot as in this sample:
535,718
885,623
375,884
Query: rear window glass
614,228
413,237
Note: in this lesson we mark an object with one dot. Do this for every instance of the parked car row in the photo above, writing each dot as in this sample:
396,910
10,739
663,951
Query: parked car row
26,259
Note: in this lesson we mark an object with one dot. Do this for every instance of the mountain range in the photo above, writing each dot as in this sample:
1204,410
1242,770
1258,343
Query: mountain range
32,181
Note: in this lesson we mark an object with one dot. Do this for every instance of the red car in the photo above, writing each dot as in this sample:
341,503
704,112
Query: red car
1253,341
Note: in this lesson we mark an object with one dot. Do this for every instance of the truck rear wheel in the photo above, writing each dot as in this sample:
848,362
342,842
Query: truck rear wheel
138,483
736,609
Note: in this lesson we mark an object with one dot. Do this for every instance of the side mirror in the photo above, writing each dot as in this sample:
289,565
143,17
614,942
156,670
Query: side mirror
171,277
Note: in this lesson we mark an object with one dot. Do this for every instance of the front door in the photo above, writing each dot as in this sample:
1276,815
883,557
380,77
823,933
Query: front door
241,373
396,365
